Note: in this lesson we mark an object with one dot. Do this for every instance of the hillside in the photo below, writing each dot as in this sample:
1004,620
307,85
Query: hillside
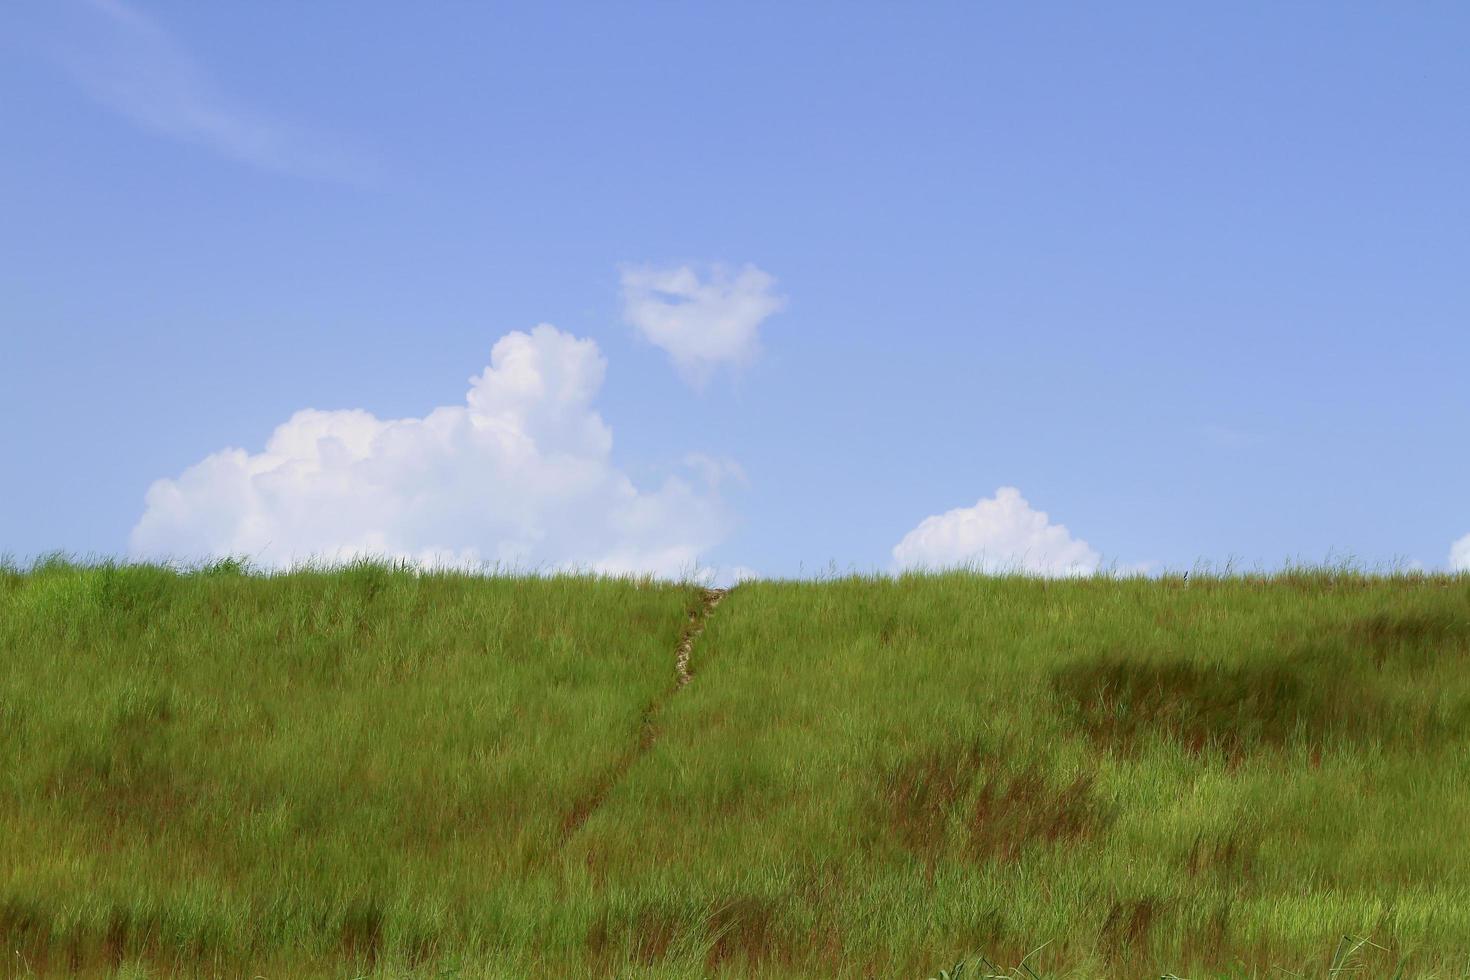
371,771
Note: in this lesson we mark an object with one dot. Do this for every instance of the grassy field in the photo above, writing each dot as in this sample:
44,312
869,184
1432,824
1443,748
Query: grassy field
368,771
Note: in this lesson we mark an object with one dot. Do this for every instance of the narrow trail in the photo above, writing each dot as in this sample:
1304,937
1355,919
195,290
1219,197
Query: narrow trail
697,620
592,800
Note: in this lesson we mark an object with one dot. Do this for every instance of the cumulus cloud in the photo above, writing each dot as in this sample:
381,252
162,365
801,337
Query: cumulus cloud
519,475
1460,555
700,323
999,534
127,61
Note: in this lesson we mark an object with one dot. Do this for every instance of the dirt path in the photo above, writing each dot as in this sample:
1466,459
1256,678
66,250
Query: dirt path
592,800
697,619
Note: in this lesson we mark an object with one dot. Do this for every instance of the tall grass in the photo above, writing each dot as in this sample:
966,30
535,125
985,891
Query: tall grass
323,767
378,771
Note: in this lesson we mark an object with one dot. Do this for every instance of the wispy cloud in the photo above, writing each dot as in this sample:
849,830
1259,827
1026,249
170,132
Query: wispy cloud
129,62
701,322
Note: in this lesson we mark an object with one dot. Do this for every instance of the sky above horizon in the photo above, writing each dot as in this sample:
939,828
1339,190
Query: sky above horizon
754,288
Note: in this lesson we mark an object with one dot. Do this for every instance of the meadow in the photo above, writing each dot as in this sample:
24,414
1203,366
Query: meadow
372,771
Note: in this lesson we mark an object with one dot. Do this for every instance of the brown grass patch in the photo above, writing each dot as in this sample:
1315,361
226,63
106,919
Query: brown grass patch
896,631
360,936
746,929
1413,638
24,931
143,795
646,936
1125,932
1232,857
1119,703
83,949
922,793
1010,812
995,813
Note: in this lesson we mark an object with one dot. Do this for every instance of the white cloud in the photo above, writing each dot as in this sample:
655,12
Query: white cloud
1460,555
126,61
520,475
998,534
701,324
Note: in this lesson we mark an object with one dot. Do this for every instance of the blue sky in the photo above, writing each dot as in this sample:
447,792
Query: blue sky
822,281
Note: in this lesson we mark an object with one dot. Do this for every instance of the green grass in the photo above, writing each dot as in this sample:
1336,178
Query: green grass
369,771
